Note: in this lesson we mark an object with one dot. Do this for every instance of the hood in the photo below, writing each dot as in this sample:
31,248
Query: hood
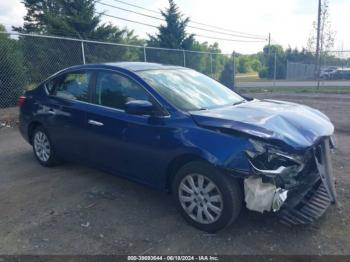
296,125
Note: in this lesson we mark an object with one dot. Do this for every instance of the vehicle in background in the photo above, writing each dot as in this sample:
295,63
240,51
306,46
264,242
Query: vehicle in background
327,72
341,74
178,130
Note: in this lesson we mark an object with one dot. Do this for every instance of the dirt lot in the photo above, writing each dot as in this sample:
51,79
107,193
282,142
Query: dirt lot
72,209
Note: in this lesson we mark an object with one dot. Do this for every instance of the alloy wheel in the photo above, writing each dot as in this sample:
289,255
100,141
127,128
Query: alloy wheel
42,146
200,198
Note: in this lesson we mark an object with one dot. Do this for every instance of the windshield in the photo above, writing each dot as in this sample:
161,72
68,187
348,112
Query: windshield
189,90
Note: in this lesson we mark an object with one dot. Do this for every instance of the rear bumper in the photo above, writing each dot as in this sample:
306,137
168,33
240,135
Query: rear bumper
23,127
312,204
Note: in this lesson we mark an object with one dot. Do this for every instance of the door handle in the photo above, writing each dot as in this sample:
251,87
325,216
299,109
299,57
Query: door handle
51,111
95,123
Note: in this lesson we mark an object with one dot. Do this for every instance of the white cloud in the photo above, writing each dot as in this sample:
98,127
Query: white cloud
257,17
340,23
289,21
11,13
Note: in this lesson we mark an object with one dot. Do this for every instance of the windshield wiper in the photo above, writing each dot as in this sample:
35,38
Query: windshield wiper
239,102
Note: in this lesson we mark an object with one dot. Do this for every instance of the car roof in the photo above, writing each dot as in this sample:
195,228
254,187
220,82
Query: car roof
131,66
140,66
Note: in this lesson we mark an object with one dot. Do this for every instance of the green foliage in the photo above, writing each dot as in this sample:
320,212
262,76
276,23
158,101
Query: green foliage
263,73
227,75
209,64
244,64
255,65
267,60
173,33
68,18
247,63
77,19
11,70
43,57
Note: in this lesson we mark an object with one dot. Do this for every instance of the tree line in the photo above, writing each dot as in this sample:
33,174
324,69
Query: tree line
28,60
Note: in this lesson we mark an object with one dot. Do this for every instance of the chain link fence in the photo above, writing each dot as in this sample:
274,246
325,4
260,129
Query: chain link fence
26,59
298,70
334,66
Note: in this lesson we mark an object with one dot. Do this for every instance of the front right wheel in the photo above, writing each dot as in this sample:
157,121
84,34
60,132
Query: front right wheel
207,198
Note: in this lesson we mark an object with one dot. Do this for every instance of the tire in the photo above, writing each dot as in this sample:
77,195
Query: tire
43,148
226,196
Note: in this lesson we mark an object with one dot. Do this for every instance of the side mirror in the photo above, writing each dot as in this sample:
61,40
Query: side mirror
139,107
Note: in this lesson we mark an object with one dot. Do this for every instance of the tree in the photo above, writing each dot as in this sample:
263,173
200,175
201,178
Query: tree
173,33
268,62
227,75
12,80
327,34
244,64
255,65
67,18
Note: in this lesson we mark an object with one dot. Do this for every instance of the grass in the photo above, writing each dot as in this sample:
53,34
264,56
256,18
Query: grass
324,90
248,77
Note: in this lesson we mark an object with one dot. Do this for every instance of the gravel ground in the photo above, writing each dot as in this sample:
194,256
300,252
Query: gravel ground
8,116
72,209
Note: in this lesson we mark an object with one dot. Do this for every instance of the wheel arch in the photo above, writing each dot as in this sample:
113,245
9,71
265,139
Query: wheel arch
31,127
178,162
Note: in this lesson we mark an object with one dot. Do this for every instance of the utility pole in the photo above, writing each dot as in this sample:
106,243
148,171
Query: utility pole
234,71
269,42
275,70
318,55
144,53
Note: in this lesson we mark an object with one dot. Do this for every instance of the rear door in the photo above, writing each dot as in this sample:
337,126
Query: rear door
68,98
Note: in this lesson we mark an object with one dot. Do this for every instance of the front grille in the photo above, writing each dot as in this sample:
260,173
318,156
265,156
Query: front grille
325,168
309,209
322,193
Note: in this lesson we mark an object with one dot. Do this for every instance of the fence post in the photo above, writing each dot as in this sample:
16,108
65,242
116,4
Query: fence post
83,52
184,56
234,71
211,65
319,69
275,70
144,53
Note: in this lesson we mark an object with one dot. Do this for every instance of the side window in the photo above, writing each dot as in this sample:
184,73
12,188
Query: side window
114,90
73,86
52,85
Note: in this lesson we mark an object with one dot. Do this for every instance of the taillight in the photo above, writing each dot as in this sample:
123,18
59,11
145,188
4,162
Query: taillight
21,101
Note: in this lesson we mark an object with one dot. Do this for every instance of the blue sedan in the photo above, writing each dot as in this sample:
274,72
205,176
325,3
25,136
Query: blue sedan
177,130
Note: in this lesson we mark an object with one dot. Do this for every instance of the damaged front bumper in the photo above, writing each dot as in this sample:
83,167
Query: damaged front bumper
300,192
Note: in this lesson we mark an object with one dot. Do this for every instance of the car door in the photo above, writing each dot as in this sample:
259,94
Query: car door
118,141
65,107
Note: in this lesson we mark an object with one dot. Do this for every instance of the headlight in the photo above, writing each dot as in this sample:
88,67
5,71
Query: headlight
269,160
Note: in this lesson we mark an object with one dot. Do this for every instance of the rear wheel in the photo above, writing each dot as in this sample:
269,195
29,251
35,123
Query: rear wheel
207,198
43,148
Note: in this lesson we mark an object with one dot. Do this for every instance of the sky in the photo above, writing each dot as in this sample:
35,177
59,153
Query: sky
288,21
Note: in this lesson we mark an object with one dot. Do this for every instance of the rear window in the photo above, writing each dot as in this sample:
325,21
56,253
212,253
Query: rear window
74,86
